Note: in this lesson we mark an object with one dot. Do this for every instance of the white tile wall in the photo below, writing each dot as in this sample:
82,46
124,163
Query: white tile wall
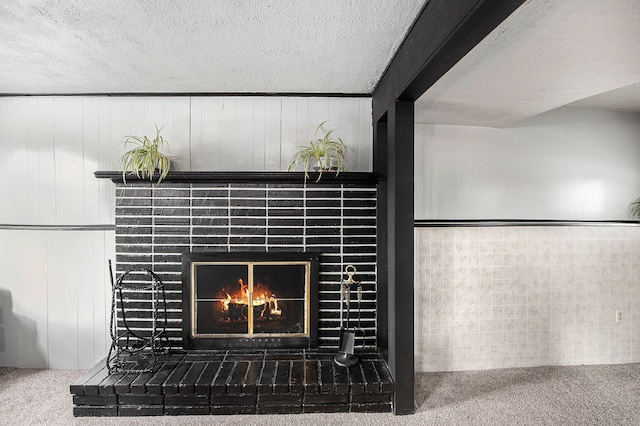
495,297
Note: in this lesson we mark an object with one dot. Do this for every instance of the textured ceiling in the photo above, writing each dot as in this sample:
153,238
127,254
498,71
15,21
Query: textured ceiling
124,46
547,54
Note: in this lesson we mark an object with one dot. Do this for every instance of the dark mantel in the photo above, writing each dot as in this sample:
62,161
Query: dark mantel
249,177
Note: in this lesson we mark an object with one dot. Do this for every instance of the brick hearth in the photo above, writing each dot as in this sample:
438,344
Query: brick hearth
232,382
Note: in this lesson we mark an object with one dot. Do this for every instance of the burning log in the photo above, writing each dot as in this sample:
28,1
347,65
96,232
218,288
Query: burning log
235,306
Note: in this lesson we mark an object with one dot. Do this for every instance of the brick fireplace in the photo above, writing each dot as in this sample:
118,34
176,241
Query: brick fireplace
213,217
336,218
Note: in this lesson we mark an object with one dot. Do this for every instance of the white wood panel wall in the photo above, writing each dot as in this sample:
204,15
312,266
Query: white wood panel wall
54,298
54,285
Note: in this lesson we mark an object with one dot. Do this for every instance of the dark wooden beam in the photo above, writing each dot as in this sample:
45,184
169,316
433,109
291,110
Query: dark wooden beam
394,154
443,33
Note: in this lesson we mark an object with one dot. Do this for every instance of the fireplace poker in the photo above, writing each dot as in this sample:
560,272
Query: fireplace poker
345,356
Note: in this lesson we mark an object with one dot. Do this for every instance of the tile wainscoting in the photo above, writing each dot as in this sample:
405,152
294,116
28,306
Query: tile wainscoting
518,296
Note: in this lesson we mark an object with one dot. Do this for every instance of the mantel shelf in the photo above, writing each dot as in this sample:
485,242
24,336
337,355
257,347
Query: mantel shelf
249,177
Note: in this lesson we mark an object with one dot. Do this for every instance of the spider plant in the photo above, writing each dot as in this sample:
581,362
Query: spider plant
145,159
327,153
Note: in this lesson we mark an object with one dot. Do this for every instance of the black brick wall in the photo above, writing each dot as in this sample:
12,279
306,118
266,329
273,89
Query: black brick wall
156,224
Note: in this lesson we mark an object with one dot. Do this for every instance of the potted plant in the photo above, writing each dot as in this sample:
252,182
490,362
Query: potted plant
327,153
145,159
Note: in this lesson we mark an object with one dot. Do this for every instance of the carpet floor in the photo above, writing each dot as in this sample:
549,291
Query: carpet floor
581,395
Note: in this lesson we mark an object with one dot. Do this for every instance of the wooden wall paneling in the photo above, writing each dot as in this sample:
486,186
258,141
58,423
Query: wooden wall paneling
195,128
228,146
14,163
91,159
80,265
169,124
336,121
46,162
68,154
20,248
304,132
273,134
207,154
244,125
288,135
349,131
176,111
107,160
180,145
10,299
39,298
335,114
62,300
120,126
138,116
35,324
318,112
109,252
153,111
260,142
365,137
104,244
4,142
32,182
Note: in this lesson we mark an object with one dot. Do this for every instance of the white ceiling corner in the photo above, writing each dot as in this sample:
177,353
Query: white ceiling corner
547,54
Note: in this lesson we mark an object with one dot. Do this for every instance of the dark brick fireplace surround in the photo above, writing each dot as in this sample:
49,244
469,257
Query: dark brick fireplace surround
252,211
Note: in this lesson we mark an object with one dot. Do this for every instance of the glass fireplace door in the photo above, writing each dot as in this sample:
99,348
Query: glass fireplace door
244,299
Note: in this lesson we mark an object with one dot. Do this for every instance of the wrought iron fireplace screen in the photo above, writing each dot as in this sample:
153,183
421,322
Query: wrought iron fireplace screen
267,301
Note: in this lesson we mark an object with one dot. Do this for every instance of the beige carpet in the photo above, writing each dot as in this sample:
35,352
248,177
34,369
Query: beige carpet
588,395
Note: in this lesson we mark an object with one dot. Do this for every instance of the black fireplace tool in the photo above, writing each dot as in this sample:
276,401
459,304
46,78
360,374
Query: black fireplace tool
346,356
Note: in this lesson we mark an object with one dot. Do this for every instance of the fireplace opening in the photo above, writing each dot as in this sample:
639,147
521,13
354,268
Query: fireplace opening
250,300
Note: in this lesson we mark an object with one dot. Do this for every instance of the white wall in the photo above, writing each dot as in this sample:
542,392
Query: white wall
494,297
55,285
569,164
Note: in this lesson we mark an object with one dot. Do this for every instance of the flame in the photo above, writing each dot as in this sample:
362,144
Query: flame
226,301
262,296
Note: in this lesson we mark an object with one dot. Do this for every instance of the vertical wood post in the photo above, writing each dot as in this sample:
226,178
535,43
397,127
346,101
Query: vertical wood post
380,166
394,158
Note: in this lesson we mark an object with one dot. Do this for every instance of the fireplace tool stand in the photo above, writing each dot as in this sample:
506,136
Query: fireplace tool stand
346,356
134,351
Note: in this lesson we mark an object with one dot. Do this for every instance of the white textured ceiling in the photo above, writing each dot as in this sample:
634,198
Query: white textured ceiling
148,46
547,54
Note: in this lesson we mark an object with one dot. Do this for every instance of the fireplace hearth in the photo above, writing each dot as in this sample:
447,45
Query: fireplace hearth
249,300
215,382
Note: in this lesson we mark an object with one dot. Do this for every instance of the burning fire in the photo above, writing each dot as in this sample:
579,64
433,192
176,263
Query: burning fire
262,296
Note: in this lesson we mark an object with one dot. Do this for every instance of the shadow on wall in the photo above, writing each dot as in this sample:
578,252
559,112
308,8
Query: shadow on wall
26,354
